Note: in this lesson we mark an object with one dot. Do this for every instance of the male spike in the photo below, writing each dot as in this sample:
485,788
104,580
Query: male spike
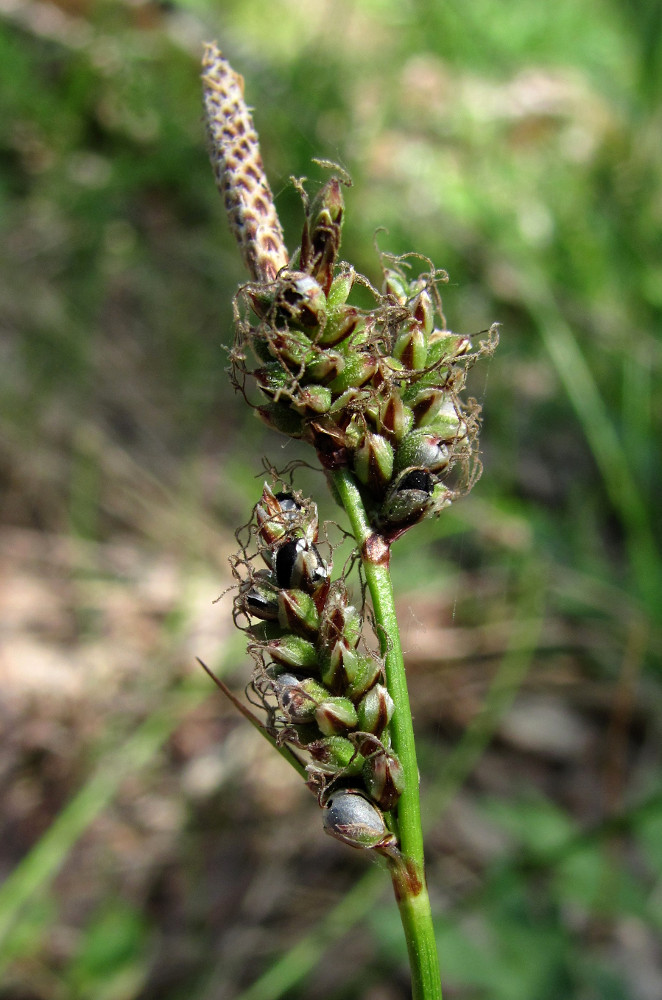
240,177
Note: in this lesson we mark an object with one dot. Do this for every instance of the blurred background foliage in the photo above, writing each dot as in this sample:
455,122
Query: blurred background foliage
149,847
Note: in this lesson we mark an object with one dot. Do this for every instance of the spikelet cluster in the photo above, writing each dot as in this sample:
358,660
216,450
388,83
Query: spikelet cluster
375,390
323,691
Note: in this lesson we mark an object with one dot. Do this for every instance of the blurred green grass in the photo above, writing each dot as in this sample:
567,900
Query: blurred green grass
518,147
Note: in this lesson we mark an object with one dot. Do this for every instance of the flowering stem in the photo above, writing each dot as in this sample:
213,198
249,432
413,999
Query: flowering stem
408,873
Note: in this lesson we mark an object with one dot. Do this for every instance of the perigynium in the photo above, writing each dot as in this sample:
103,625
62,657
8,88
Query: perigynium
378,395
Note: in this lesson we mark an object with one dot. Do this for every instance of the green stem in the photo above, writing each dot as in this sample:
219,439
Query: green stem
408,878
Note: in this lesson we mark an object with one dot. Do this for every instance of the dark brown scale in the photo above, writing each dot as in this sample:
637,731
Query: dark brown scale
286,559
417,479
299,565
261,606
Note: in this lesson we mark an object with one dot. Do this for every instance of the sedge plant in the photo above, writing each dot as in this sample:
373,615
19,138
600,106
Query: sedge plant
377,393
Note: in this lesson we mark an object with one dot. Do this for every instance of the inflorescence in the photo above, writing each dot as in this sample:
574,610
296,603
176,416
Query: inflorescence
376,391
321,689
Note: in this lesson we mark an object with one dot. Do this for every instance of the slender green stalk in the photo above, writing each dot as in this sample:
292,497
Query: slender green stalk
283,749
408,879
